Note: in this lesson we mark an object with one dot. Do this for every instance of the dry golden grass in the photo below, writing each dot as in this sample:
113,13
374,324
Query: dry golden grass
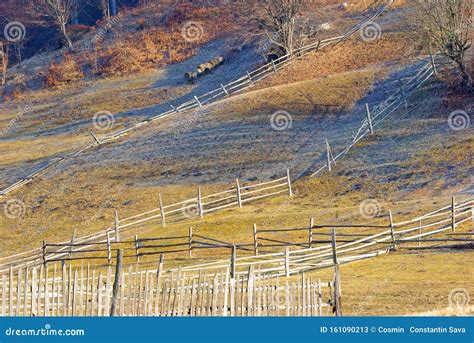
347,56
30,149
404,283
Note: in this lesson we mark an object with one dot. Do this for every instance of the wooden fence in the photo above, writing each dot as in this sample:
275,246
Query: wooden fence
196,207
234,87
137,248
64,291
252,77
376,115
346,242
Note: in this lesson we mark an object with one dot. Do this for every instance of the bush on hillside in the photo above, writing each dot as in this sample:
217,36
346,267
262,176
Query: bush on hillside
149,50
64,72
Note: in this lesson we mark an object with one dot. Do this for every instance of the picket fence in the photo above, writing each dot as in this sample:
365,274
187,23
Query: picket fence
232,88
64,291
196,207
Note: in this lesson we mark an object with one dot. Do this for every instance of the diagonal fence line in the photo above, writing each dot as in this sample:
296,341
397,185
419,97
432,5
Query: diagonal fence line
319,257
187,209
211,97
307,259
376,115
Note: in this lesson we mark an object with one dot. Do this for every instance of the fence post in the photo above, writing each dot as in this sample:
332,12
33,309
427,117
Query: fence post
337,291
117,280
250,78
239,195
190,241
109,251
334,247
290,191
402,90
310,233
453,214
392,231
369,118
200,207
255,239
337,279
162,211
232,261
95,137
174,108
329,156
420,231
117,228
287,261
273,65
435,70
73,237
44,252
225,90
197,100
137,248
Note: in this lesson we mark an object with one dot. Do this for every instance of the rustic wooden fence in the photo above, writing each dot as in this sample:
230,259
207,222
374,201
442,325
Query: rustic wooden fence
346,242
197,207
64,291
252,77
376,115
234,87
137,248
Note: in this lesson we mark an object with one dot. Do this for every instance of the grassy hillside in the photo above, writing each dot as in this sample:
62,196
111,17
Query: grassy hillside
414,162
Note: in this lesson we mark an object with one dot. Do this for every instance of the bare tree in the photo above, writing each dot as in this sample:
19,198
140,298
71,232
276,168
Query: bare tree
3,61
60,11
446,26
278,18
104,5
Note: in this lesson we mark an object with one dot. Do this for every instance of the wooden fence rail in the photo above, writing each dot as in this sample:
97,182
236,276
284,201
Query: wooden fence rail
191,208
234,87
375,116
362,245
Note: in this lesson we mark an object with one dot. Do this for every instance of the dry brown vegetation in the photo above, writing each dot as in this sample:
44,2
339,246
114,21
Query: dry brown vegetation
346,56
64,72
148,50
